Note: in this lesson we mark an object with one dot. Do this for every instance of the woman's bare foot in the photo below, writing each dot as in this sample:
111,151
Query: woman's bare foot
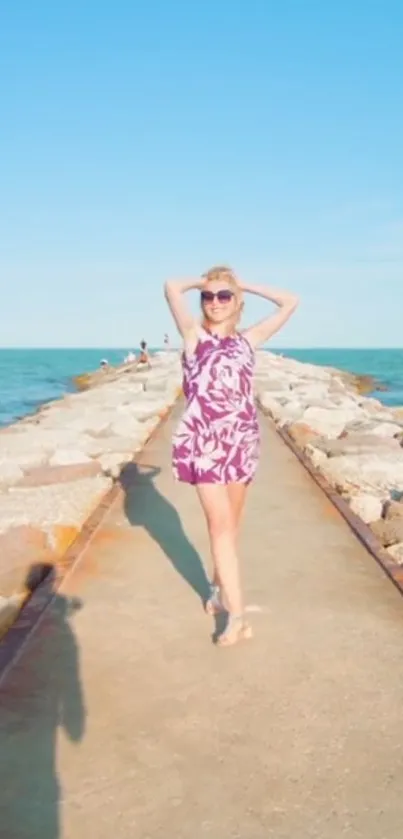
213,606
237,629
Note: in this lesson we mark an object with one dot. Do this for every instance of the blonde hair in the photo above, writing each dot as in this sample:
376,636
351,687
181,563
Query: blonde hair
220,272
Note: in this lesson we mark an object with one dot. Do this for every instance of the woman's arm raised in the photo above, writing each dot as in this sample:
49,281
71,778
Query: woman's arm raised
264,329
183,318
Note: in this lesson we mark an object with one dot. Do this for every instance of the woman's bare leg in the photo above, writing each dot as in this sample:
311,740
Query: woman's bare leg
237,497
215,500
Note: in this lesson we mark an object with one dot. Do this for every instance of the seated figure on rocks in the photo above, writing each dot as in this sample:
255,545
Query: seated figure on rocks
144,358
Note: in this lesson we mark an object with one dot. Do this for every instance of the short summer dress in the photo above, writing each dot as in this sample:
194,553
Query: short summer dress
217,439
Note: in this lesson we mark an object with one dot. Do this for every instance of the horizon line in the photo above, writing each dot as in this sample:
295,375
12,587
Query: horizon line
160,347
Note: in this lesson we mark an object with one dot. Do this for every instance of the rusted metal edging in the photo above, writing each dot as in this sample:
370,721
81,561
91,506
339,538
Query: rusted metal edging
359,528
13,641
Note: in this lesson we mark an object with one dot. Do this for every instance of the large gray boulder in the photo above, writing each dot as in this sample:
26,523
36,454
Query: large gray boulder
388,532
329,422
353,473
367,507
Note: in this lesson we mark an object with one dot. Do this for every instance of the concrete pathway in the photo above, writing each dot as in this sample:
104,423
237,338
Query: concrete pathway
123,721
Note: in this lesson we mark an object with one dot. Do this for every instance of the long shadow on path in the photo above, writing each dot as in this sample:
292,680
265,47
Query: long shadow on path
41,693
146,507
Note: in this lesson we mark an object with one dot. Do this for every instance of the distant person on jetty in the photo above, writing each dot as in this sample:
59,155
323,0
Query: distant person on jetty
166,341
216,444
144,358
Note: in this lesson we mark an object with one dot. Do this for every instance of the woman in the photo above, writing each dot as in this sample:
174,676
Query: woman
216,444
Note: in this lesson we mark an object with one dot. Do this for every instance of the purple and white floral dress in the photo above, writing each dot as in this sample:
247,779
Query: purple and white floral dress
217,439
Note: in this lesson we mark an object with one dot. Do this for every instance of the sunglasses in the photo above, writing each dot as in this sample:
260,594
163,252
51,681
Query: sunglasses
224,295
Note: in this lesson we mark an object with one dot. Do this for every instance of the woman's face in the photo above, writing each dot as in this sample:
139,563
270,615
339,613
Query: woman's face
220,302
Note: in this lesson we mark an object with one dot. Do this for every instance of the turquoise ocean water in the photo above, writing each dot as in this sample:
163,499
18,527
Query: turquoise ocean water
30,377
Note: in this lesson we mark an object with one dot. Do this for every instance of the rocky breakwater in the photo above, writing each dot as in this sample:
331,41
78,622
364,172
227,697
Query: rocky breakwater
353,441
57,465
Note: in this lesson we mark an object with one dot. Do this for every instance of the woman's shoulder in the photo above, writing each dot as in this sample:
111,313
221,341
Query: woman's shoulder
243,336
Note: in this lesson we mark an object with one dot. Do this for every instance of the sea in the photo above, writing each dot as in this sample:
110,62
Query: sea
30,377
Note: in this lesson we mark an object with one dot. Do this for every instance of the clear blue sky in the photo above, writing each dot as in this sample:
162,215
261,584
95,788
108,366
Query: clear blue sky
141,140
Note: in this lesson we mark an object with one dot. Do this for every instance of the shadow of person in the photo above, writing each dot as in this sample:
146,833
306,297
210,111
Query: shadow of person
146,507
40,693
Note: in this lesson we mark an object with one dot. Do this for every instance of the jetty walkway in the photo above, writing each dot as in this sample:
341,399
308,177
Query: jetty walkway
121,720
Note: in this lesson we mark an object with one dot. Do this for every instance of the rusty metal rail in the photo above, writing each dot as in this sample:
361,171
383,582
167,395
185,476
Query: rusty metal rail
359,528
12,643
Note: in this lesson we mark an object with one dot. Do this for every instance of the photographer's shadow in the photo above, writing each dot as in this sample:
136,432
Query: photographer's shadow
39,695
146,507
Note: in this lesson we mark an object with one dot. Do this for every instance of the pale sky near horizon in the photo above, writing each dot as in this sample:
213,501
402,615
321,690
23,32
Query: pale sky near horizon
141,141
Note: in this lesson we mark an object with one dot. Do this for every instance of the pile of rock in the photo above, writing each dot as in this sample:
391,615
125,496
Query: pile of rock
354,441
55,466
